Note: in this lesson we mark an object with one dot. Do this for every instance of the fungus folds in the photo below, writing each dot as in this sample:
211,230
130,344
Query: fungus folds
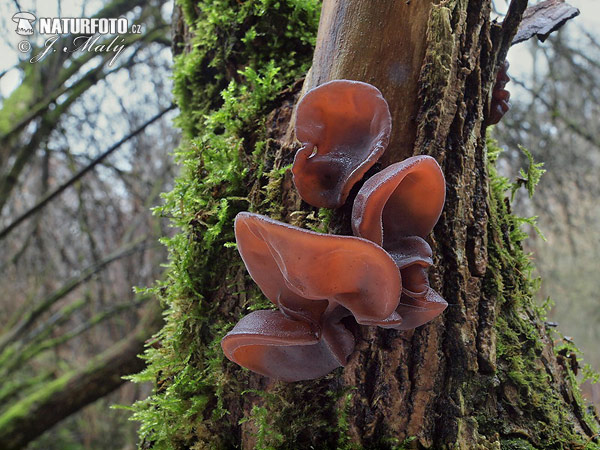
319,283
500,96
306,273
344,127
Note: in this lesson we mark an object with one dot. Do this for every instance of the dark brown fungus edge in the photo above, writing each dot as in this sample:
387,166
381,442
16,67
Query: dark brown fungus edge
276,346
500,96
344,127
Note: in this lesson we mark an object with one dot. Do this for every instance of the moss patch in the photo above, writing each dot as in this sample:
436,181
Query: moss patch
239,59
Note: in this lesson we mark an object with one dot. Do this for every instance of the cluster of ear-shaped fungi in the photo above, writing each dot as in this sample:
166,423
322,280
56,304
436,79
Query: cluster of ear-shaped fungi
320,282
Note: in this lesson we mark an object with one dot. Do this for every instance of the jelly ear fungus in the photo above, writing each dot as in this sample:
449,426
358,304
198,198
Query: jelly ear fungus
344,127
396,208
315,280
274,345
306,273
404,199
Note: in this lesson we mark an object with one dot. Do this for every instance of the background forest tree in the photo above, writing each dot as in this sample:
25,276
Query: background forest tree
72,325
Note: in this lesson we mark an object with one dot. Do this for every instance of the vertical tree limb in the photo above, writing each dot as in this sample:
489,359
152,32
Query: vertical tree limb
385,47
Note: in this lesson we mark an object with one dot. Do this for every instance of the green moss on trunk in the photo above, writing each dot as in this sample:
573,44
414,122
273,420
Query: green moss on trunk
534,392
233,69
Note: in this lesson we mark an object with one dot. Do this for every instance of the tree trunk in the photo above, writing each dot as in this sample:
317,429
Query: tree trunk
485,374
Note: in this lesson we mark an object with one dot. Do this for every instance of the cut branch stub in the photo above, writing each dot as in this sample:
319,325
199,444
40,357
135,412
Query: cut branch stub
306,273
344,127
273,345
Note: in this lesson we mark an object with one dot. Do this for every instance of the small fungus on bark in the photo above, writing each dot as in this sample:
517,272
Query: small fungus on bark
500,96
344,127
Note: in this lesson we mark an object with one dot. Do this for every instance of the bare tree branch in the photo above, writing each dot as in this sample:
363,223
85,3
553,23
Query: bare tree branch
52,195
569,123
52,402
38,341
68,287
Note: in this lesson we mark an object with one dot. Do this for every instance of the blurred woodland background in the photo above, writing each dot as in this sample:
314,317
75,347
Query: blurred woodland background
71,323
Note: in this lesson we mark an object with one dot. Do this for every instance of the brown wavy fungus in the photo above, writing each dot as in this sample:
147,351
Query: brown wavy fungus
344,127
320,283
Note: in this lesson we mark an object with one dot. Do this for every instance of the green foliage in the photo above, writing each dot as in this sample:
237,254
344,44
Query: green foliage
516,444
566,349
589,374
23,406
229,36
241,56
268,437
15,107
530,178
396,444
280,421
343,399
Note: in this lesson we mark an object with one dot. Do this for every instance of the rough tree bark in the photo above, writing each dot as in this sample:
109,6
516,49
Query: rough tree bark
485,374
